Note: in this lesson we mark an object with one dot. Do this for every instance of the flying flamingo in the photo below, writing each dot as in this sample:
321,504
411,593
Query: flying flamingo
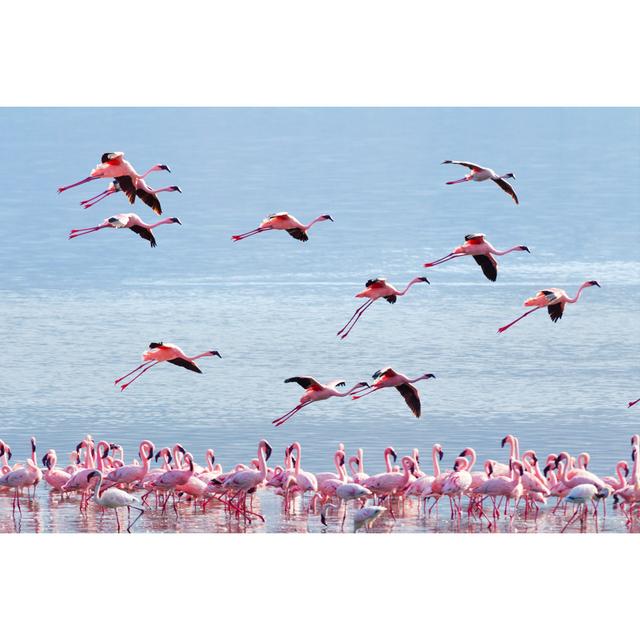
376,288
113,165
113,498
160,352
283,222
315,391
481,249
389,378
555,301
480,174
133,186
126,221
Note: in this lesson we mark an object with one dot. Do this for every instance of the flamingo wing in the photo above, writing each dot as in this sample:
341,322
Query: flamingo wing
388,371
150,200
144,233
304,381
125,184
556,311
474,238
375,283
298,234
505,186
488,265
391,299
469,165
187,364
338,382
411,397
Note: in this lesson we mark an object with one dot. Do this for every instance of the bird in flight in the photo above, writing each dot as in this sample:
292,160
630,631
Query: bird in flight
126,221
480,174
476,245
283,222
553,299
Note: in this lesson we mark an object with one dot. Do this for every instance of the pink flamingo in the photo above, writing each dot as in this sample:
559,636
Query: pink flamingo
456,484
503,486
170,480
338,461
23,478
375,289
481,249
555,301
113,165
315,391
358,474
133,473
304,480
132,187
126,221
387,485
56,478
283,222
161,352
80,481
480,174
387,377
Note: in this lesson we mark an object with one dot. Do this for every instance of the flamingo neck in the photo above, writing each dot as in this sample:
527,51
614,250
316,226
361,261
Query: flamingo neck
401,293
504,253
436,461
360,461
387,460
157,224
577,296
472,455
318,219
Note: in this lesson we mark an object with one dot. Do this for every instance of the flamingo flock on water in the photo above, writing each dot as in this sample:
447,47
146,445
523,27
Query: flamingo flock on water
168,480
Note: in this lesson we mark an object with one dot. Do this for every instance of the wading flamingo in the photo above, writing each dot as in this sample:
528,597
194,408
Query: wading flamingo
23,478
389,378
113,165
376,288
481,249
55,477
480,174
113,498
315,391
283,222
553,299
126,221
160,352
133,473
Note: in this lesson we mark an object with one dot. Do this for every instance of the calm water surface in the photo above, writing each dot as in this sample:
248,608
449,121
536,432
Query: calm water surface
75,315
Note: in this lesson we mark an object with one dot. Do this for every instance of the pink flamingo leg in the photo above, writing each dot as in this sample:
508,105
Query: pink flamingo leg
242,236
524,315
280,421
74,233
75,184
458,181
358,316
102,196
449,256
355,313
366,393
124,386
126,375
96,197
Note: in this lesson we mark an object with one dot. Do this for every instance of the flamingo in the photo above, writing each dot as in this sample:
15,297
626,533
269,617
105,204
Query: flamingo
480,174
581,495
376,288
113,498
113,165
126,221
160,352
555,301
284,222
359,476
394,482
457,483
133,186
54,477
23,478
304,480
502,486
387,377
366,516
133,473
315,391
476,245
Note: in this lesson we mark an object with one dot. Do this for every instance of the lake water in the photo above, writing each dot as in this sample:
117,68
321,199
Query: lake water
76,315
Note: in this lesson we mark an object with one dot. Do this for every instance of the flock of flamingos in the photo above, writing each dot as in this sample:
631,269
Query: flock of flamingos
98,473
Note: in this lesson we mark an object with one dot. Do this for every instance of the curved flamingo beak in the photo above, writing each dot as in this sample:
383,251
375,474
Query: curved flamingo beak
164,167
215,353
440,454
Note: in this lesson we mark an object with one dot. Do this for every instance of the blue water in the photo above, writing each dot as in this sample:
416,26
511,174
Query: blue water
77,314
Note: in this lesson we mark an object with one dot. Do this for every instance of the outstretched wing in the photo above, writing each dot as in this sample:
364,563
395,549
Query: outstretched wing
474,238
144,233
505,186
411,397
375,283
488,265
469,165
387,371
187,364
126,186
304,381
338,382
556,310
298,234
150,200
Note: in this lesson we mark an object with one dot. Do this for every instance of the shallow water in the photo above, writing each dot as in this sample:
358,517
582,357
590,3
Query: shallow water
75,315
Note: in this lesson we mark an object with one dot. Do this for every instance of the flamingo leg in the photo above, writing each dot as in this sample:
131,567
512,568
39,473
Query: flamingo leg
280,421
117,520
524,315
465,179
358,316
355,313
136,520
248,234
75,184
124,386
96,199
366,393
98,196
449,256
74,233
